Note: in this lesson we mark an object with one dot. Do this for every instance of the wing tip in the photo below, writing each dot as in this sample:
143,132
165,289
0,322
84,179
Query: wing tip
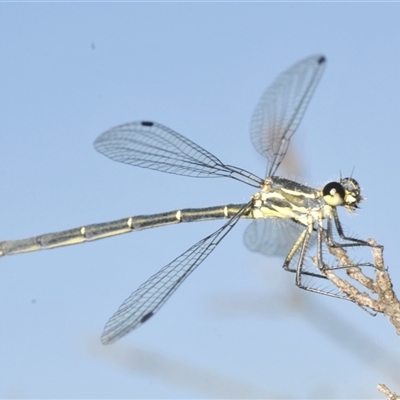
146,317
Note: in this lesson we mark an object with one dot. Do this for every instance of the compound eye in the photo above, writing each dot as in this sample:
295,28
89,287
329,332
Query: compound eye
333,194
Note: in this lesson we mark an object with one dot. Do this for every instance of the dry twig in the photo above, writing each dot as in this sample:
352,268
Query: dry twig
380,297
387,392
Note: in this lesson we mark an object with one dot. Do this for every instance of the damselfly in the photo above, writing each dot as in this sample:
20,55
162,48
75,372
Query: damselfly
307,211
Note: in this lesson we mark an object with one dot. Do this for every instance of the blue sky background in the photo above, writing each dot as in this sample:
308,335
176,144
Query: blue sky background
238,327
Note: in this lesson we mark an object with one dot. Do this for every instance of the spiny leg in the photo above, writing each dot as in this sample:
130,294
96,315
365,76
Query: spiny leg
354,242
319,262
300,242
326,237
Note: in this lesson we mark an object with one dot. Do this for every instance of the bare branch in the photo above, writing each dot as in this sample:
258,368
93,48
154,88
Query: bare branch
380,296
387,392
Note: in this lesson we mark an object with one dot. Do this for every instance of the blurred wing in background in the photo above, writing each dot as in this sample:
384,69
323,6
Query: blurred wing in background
281,108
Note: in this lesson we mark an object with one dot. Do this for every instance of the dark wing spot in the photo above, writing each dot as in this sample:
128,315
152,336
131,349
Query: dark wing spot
321,60
147,123
146,317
